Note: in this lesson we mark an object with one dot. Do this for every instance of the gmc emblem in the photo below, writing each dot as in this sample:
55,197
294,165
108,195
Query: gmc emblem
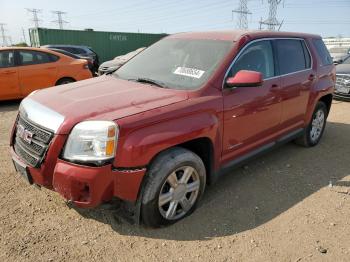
24,134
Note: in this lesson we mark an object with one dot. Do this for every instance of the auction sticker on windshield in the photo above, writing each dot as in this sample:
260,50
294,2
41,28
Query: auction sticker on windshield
191,72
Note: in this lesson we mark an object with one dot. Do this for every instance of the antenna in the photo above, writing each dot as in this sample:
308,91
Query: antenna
272,21
35,13
59,20
243,11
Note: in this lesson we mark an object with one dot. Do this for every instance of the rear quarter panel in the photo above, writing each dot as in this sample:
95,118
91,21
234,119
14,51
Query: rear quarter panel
73,68
324,83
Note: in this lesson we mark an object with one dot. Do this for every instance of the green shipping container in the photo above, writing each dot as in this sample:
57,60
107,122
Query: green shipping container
106,44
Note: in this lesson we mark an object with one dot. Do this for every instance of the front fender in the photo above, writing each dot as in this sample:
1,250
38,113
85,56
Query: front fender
140,146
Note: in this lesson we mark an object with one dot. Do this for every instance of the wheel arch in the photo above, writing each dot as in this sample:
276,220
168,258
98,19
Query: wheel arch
327,99
203,147
64,78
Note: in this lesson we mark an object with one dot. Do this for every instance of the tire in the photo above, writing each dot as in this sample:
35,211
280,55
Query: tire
314,131
164,179
64,81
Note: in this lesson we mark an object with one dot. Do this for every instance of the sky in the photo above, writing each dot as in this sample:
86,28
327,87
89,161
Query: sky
323,17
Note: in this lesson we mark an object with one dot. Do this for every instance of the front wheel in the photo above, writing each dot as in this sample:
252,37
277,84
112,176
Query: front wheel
314,131
175,182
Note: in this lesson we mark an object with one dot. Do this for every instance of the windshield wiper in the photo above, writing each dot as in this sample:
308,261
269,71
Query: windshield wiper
149,81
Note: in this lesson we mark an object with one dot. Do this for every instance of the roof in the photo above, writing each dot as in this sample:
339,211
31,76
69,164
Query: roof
64,45
235,35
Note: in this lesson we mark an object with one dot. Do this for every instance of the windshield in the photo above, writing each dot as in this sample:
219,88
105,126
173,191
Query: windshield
347,60
176,63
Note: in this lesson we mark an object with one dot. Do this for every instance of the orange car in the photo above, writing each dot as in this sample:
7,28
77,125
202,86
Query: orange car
25,69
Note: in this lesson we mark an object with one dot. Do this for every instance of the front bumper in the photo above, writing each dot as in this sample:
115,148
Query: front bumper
342,96
86,186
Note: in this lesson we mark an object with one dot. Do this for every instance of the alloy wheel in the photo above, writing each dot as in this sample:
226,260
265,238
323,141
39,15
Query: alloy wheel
317,125
179,193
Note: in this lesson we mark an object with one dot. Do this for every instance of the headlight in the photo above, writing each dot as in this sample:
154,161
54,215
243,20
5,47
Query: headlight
92,142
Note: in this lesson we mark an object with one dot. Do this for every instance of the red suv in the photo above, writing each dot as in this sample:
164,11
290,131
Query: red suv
155,132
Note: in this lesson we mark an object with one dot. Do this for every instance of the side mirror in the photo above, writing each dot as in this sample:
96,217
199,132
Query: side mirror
245,78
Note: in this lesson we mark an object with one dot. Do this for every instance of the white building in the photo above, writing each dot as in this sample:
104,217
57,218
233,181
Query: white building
337,42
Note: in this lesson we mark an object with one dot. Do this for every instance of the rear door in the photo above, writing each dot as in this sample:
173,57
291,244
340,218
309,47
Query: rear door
297,76
9,87
37,70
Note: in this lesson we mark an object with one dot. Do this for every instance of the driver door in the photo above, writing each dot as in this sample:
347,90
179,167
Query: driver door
252,115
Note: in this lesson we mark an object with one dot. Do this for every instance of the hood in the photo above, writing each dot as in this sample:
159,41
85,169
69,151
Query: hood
343,69
103,98
111,63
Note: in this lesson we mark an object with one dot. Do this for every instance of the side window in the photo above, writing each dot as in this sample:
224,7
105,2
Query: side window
7,59
80,51
33,57
291,56
26,58
256,57
322,52
42,58
53,58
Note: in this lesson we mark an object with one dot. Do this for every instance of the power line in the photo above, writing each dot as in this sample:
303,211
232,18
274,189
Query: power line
3,35
35,13
59,20
243,11
272,21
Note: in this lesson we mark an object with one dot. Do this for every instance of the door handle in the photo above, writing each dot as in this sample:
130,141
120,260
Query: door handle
275,87
312,77
9,72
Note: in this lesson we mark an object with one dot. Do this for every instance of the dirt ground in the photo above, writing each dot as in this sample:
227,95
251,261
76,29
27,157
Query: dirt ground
292,204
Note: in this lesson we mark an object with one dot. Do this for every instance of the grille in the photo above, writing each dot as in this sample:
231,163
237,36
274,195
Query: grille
32,150
342,84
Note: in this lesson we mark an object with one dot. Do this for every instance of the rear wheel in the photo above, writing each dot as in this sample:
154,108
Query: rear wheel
314,131
176,181
64,81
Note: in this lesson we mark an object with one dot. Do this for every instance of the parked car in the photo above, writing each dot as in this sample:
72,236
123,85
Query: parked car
339,53
112,65
84,52
169,122
89,60
25,69
342,86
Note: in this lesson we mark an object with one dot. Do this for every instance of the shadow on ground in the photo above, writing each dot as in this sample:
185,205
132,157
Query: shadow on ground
6,106
249,197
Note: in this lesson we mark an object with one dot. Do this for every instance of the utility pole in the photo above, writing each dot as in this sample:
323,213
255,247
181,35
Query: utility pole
243,11
3,36
24,35
35,13
59,20
272,21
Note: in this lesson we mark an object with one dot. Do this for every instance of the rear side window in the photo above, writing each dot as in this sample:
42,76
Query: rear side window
292,56
322,52
33,57
256,57
7,59
53,58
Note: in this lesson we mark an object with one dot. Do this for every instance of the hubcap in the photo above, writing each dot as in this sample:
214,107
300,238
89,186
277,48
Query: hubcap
179,193
317,125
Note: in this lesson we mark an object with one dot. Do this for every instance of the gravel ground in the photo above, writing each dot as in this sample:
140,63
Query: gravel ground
293,204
